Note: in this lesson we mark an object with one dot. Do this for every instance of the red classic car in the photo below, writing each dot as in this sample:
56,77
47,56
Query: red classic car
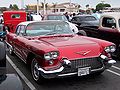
53,50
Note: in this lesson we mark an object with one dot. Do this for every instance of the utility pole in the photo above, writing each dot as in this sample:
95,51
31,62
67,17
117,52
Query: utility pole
44,7
70,6
37,7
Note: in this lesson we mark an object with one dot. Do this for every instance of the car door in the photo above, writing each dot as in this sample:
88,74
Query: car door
19,41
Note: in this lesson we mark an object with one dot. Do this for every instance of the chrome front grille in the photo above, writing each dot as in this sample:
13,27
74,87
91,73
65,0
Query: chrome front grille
94,63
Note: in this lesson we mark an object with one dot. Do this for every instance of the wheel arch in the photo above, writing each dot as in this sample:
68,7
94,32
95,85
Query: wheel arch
30,57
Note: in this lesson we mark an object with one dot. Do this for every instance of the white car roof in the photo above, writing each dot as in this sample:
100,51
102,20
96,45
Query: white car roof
112,14
29,22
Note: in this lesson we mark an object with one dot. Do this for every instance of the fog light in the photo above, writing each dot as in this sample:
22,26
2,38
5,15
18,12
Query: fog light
103,57
51,62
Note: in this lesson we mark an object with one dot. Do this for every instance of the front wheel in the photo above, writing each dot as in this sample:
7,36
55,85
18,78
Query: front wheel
35,72
10,48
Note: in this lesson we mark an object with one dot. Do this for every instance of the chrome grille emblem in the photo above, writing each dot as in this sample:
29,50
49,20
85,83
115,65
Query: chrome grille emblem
83,52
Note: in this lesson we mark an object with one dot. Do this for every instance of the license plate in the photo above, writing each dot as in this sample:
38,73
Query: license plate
83,71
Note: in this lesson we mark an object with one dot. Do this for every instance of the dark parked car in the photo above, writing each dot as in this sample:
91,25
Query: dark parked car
7,81
85,21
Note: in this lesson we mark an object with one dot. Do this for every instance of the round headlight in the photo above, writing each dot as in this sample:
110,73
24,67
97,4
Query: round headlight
51,55
47,56
107,49
54,55
112,48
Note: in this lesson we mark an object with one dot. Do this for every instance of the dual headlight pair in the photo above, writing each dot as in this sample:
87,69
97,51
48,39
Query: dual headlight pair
51,55
110,49
55,54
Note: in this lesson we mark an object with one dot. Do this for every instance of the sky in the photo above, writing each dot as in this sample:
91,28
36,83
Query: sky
83,3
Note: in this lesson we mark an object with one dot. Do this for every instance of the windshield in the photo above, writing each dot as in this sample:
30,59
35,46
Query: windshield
90,18
57,17
49,28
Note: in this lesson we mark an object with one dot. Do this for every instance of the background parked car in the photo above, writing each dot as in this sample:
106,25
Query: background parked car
55,17
85,21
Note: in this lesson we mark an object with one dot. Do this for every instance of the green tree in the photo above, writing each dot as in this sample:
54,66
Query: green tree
15,7
101,6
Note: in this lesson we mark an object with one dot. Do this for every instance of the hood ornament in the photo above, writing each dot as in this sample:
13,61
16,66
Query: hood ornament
83,52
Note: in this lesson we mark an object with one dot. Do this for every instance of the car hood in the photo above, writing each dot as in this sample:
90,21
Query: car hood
71,47
67,41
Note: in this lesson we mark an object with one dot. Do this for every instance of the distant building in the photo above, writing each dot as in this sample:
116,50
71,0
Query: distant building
56,8
111,9
66,7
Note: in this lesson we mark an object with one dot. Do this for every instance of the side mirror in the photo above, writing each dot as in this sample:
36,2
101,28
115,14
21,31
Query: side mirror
82,32
113,27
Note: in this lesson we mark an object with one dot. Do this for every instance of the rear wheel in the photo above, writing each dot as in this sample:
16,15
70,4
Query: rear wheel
35,72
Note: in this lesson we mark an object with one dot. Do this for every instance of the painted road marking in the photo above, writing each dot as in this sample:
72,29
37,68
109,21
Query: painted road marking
116,67
113,72
30,85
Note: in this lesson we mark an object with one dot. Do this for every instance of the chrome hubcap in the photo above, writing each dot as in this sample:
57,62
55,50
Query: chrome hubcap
36,71
10,50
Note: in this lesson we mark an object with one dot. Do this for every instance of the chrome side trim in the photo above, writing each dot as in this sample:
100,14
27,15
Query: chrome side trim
54,71
8,44
67,74
97,69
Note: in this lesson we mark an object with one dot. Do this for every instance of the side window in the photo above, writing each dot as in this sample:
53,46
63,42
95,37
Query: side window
74,19
15,16
77,19
20,30
109,22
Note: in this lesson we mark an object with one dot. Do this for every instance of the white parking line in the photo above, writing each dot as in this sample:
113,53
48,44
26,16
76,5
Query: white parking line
116,67
30,85
113,72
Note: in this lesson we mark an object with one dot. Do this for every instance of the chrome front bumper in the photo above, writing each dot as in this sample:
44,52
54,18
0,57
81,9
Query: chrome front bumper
58,72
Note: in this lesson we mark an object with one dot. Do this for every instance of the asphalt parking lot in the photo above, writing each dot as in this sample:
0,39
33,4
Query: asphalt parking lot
108,80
